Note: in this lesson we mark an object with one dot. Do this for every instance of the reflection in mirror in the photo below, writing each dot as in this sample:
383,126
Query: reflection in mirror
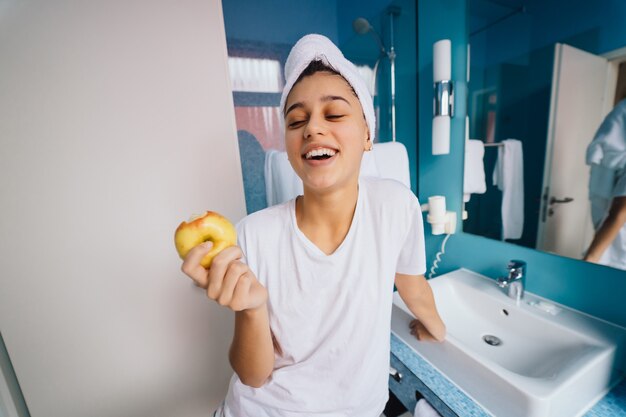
544,75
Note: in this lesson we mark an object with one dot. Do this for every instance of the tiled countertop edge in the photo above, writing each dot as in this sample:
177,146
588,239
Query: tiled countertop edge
449,393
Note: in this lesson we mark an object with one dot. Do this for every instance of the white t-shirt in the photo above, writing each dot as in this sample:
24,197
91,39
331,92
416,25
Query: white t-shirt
330,313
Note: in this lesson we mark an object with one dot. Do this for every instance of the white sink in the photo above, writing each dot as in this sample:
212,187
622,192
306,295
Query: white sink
554,363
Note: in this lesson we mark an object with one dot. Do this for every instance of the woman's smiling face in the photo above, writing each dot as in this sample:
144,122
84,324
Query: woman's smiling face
325,131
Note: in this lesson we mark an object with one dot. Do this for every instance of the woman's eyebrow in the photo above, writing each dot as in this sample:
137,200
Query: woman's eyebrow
331,98
294,106
299,104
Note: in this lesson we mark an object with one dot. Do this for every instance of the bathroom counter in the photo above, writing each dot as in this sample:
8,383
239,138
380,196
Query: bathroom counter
450,401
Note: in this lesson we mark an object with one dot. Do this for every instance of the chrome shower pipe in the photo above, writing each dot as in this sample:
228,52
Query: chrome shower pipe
362,26
392,61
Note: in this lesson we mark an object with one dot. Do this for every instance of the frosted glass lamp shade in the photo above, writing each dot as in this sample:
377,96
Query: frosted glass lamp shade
441,135
442,60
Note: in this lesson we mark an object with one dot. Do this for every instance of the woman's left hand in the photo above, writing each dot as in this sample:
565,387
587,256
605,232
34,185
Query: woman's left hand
420,332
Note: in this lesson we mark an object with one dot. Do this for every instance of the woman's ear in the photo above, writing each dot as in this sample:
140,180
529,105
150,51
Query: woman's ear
368,144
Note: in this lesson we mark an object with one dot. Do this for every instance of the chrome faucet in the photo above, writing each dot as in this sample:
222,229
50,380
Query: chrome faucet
515,283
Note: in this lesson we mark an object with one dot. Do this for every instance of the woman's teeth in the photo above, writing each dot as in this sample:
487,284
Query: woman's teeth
320,152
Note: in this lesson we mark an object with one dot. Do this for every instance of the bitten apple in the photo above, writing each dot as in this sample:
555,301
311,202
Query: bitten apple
208,226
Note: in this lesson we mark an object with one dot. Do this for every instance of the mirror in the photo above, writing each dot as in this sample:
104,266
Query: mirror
545,73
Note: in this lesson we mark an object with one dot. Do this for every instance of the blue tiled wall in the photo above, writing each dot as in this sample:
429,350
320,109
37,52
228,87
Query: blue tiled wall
442,174
279,21
597,27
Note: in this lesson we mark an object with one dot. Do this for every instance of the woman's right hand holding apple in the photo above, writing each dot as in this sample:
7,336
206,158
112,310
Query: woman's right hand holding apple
228,281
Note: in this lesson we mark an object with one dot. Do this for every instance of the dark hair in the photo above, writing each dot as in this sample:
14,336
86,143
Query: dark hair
319,66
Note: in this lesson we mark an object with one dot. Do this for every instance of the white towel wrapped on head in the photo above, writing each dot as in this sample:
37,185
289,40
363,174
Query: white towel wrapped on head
317,47
391,161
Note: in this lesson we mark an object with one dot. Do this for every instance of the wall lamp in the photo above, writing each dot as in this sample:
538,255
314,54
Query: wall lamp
443,97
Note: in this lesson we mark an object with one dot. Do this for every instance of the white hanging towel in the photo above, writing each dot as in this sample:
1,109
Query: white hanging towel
386,160
508,175
281,182
390,160
474,170
423,409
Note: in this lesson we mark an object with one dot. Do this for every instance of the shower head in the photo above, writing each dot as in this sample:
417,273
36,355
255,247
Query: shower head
361,26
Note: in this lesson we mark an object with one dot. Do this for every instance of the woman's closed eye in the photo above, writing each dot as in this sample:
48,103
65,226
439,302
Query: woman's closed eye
293,124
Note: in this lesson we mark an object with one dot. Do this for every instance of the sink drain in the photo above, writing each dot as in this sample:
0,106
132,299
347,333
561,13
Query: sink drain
492,340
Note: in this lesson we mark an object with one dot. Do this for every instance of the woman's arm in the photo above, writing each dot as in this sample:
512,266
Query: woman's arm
609,230
418,296
252,352
232,284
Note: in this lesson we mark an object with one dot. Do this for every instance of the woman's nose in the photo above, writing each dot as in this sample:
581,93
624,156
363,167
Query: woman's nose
315,126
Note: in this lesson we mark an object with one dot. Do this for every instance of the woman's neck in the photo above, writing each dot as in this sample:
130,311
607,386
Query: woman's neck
325,218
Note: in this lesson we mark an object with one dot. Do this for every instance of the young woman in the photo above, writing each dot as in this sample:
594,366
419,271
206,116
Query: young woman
311,280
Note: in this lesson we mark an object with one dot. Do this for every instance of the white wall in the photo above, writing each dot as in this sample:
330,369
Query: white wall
116,123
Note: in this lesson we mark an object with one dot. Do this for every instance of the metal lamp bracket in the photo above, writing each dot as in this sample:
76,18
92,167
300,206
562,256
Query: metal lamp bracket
443,98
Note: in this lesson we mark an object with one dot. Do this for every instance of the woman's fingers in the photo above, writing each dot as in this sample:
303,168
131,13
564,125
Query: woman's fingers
191,264
218,269
415,327
228,281
248,293
420,331
241,294
234,272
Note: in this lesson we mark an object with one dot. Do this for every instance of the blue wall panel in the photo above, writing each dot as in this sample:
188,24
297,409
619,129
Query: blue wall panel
279,21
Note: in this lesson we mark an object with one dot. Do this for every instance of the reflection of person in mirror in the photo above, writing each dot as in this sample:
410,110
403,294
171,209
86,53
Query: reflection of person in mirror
311,280
607,190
